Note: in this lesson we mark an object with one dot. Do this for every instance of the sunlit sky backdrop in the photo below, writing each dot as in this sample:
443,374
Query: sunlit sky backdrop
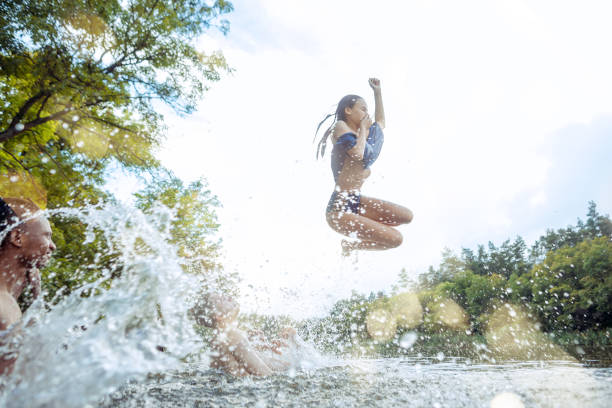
499,123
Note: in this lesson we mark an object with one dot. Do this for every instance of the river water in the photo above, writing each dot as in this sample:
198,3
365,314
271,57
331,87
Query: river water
391,382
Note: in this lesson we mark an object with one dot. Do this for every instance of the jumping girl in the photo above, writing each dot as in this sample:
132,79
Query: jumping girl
356,145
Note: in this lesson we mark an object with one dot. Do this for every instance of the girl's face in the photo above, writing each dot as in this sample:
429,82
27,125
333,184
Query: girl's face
357,112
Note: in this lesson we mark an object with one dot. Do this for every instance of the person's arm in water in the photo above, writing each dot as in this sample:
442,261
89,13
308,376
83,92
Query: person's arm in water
235,352
379,111
232,343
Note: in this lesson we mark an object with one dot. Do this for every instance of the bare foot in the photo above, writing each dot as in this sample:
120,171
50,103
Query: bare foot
347,247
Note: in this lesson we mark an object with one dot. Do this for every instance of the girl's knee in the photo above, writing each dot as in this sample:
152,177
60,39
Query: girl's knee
395,239
408,216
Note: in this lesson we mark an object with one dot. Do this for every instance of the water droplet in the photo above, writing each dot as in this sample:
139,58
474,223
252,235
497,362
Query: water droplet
75,118
52,171
80,143
65,126
507,400
14,179
45,159
19,127
408,339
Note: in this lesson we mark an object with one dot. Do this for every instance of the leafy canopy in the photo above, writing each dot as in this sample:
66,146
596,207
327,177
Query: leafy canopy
87,73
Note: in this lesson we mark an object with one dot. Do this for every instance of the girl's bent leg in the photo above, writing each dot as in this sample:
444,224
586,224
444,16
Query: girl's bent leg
385,212
373,235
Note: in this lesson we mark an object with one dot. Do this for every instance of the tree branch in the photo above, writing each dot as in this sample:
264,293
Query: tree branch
16,159
12,132
24,109
42,105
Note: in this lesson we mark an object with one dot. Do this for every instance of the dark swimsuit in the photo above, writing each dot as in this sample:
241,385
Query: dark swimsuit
349,201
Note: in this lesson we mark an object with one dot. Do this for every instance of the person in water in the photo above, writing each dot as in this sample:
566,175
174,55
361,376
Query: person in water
25,247
233,351
356,145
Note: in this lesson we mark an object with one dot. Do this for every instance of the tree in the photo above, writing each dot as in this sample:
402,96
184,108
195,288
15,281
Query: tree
193,226
450,266
571,289
596,225
509,258
80,83
79,78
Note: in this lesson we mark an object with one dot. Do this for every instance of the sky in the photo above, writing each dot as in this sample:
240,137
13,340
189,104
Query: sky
499,124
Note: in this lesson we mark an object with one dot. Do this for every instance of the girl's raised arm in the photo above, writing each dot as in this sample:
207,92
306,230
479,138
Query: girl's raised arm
379,111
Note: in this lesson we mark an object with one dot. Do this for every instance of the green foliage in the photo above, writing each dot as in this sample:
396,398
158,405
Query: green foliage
194,222
596,226
344,330
78,79
572,288
193,227
474,293
509,258
449,267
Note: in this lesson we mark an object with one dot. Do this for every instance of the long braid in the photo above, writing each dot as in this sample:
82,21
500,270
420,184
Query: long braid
323,141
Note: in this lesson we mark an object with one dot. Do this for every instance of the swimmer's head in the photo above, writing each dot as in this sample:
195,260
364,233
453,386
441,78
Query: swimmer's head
214,309
26,231
351,109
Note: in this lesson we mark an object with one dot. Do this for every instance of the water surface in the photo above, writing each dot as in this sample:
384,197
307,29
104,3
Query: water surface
381,383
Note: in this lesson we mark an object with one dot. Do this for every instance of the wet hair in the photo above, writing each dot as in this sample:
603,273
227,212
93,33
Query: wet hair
209,308
346,102
13,210
7,218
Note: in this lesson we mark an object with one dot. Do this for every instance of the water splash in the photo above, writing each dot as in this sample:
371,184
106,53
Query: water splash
85,347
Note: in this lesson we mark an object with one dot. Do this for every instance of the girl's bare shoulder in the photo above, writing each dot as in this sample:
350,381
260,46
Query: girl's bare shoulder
340,128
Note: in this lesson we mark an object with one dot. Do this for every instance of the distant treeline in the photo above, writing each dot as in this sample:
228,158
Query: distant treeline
513,301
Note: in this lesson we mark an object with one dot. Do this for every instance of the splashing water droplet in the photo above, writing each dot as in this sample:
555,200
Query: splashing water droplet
408,339
507,400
